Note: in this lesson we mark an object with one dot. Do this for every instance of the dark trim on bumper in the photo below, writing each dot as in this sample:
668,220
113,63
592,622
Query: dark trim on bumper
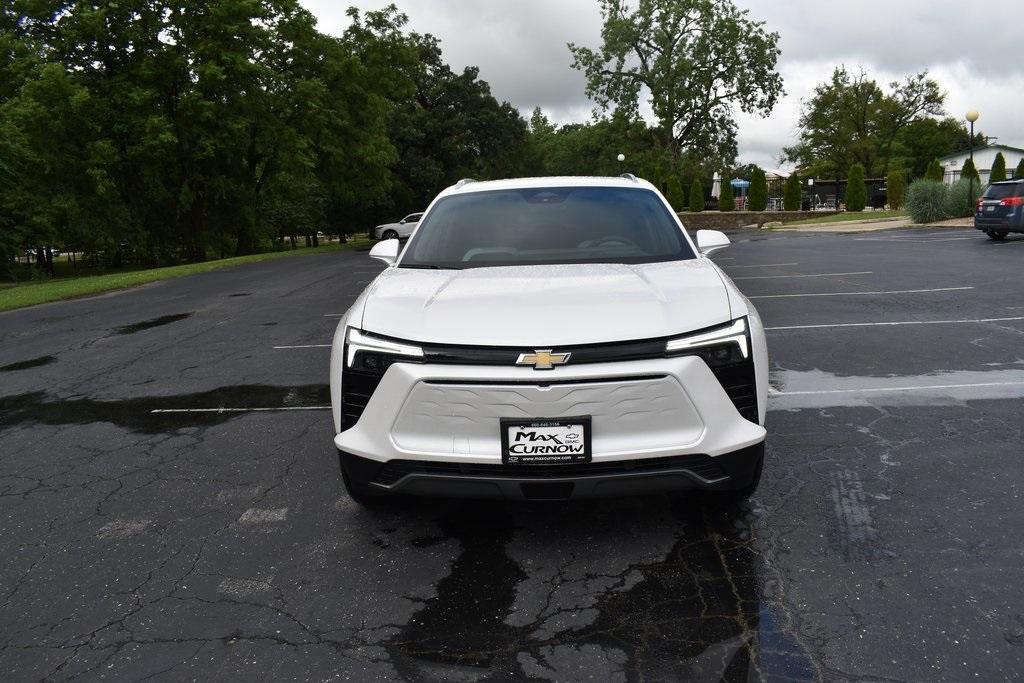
726,472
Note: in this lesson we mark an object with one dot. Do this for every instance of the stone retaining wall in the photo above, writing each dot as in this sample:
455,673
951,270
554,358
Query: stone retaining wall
718,220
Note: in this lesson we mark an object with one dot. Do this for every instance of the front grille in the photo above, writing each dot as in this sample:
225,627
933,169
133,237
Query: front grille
702,465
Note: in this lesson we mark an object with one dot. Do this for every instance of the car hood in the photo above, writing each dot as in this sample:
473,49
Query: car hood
546,305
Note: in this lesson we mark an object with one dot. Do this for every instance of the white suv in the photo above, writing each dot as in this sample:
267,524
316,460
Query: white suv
548,339
400,230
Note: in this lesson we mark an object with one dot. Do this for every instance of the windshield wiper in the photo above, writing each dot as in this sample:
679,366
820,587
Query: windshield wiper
427,266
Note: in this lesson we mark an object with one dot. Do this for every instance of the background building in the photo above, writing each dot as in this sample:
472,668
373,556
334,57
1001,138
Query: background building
952,164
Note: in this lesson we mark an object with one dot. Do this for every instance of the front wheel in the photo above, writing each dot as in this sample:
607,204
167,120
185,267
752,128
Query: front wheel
389,235
996,234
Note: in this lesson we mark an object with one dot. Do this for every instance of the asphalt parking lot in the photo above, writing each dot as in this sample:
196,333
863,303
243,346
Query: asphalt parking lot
170,505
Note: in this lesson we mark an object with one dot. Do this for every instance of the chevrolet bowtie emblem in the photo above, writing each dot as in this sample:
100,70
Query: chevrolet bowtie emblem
543,359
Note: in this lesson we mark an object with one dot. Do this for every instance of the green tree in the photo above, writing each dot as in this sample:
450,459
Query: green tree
699,60
969,172
1019,173
696,196
896,188
758,190
725,198
850,119
856,190
935,171
998,173
930,138
793,193
674,193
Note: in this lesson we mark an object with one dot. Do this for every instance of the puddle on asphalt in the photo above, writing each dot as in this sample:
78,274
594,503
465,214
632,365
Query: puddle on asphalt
699,611
149,324
796,389
27,364
136,414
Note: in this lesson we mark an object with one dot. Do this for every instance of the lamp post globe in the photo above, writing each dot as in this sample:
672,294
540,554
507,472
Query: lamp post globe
621,157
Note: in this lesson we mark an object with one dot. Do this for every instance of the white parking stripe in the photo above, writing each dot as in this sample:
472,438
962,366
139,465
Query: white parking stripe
766,265
780,277
878,390
891,324
305,346
891,291
236,410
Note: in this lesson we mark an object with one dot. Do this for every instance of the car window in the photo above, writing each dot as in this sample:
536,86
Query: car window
413,218
1002,191
547,225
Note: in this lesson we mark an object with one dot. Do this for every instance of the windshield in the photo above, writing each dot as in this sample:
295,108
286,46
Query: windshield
537,226
1001,190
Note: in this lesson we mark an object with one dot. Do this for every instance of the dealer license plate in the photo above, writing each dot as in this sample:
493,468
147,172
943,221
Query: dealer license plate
540,441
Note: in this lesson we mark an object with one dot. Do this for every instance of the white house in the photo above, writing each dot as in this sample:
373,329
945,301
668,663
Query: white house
953,164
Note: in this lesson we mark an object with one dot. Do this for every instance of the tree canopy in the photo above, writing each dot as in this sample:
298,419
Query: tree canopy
699,61
851,119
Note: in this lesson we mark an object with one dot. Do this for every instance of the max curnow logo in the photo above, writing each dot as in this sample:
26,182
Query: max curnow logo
534,443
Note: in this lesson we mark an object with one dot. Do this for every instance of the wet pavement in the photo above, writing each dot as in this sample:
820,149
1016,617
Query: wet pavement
155,522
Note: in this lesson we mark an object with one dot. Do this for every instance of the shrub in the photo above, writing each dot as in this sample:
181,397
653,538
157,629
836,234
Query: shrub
758,190
960,198
970,172
674,193
856,191
926,201
1019,173
935,172
998,173
696,196
896,183
725,198
793,194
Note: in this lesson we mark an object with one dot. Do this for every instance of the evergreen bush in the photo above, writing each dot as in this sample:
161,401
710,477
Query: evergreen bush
998,173
793,193
896,184
969,172
674,193
696,196
856,191
934,171
758,190
1019,173
725,198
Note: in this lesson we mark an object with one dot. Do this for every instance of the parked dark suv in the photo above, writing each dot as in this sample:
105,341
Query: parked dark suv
1001,209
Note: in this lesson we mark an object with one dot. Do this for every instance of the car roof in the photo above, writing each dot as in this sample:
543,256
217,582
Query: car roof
471,186
1011,181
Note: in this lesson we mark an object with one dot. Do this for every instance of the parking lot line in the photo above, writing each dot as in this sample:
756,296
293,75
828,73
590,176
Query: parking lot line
235,410
893,324
780,277
890,291
766,265
305,346
878,390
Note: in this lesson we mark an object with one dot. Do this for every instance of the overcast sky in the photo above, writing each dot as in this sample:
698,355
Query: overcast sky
973,49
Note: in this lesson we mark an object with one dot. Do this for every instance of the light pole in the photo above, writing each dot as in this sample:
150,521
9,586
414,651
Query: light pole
972,116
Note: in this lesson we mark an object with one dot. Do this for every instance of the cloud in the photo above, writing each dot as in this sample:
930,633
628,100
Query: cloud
971,49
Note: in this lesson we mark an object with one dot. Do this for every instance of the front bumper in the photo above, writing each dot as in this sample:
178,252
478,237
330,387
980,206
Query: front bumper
558,482
640,409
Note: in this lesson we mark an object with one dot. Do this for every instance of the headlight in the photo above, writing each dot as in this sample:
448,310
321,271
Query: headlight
720,346
374,354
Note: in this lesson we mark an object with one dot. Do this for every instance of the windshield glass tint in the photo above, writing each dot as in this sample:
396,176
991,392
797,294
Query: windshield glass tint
547,225
1002,191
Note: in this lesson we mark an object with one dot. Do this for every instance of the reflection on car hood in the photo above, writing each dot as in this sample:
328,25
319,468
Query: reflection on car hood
546,305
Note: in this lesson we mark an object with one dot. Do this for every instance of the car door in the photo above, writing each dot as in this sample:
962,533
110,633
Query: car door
408,224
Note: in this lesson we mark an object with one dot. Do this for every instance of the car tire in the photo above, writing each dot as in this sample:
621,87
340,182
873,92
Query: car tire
389,235
996,234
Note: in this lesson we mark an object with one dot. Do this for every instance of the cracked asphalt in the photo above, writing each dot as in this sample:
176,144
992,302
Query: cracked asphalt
885,542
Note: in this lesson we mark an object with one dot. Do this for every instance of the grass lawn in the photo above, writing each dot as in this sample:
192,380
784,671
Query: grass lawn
849,216
19,295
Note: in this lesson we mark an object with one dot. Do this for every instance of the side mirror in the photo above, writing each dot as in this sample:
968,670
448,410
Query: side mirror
710,241
401,222
386,251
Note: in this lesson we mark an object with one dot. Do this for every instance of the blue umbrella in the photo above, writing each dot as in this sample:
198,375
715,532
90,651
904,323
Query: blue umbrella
740,183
